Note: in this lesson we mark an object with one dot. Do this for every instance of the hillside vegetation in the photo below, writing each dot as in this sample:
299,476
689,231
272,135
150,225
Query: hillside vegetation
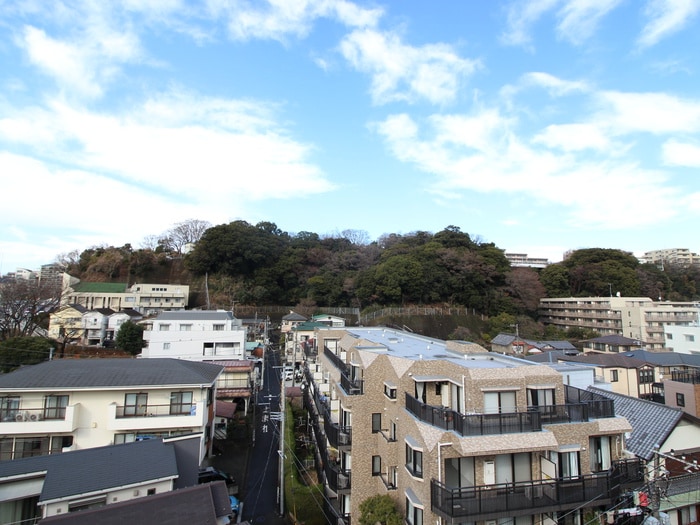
244,264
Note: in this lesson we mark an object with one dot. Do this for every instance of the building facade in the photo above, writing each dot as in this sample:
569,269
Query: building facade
146,298
455,434
672,256
637,318
71,404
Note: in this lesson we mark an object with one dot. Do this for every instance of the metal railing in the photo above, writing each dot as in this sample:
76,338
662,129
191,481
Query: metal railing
337,362
126,411
352,387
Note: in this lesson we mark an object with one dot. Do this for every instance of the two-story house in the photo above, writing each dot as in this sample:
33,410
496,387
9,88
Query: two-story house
456,434
69,404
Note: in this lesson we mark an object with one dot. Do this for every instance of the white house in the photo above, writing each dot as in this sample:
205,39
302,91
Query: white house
683,339
69,404
198,335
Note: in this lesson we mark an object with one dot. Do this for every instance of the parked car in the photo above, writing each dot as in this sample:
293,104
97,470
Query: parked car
288,373
209,474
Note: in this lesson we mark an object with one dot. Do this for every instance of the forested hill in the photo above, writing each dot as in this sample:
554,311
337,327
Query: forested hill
262,265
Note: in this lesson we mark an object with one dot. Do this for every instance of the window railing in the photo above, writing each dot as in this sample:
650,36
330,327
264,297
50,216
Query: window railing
337,362
126,411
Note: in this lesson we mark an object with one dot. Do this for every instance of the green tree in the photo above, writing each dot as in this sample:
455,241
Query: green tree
19,351
130,337
379,509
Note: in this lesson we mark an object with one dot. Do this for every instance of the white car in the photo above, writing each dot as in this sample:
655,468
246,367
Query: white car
288,373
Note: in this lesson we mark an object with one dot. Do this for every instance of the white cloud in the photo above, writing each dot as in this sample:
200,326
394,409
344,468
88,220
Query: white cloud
573,137
656,113
576,20
278,19
665,17
677,153
579,19
555,86
583,192
405,73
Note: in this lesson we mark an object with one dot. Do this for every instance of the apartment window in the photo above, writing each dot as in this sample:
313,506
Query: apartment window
166,346
186,327
680,399
181,402
689,338
150,492
613,376
163,327
55,407
135,404
600,453
376,422
389,391
414,461
376,465
9,406
414,514
499,402
218,327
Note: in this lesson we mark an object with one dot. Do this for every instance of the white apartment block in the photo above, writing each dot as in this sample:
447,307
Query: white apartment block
146,298
200,335
456,434
683,339
638,318
70,404
522,260
671,256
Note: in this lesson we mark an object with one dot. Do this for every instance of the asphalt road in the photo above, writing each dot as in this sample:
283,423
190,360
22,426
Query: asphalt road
261,503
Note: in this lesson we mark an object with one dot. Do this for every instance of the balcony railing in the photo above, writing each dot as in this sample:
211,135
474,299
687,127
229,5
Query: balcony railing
352,387
337,362
511,499
337,479
686,376
599,407
474,424
127,411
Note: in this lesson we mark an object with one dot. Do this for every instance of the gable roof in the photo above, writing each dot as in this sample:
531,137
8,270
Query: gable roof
614,339
651,422
96,469
83,287
115,372
201,504
665,358
293,316
606,360
507,339
195,315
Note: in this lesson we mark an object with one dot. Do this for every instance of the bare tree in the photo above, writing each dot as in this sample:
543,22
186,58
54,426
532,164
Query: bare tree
22,303
150,242
356,237
183,233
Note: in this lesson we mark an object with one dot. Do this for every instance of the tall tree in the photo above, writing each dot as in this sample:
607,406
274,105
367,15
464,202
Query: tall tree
183,233
24,305
130,338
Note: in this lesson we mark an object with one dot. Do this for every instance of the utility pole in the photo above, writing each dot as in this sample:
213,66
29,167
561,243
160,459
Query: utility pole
281,452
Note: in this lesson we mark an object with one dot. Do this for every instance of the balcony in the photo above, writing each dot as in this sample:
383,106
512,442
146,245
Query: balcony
352,387
39,420
150,417
686,376
337,362
338,480
488,502
474,424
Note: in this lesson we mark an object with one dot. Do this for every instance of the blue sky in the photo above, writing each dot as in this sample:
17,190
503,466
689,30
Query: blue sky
540,126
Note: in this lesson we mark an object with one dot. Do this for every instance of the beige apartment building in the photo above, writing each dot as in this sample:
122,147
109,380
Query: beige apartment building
145,298
638,318
456,434
672,256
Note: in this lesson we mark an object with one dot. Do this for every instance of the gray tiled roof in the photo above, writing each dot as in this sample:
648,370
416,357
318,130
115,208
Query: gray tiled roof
651,422
100,373
97,469
506,339
200,505
665,358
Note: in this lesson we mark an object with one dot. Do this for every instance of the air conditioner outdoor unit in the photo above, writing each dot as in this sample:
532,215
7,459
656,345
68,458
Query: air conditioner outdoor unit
35,417
343,438
19,416
343,481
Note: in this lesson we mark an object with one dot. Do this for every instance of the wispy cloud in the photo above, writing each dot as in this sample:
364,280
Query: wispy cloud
665,17
401,72
575,20
677,153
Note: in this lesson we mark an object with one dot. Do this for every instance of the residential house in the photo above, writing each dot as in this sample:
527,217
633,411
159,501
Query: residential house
516,345
66,323
117,319
453,433
300,341
72,404
95,323
667,440
626,375
638,318
612,344
132,473
677,378
329,320
290,320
